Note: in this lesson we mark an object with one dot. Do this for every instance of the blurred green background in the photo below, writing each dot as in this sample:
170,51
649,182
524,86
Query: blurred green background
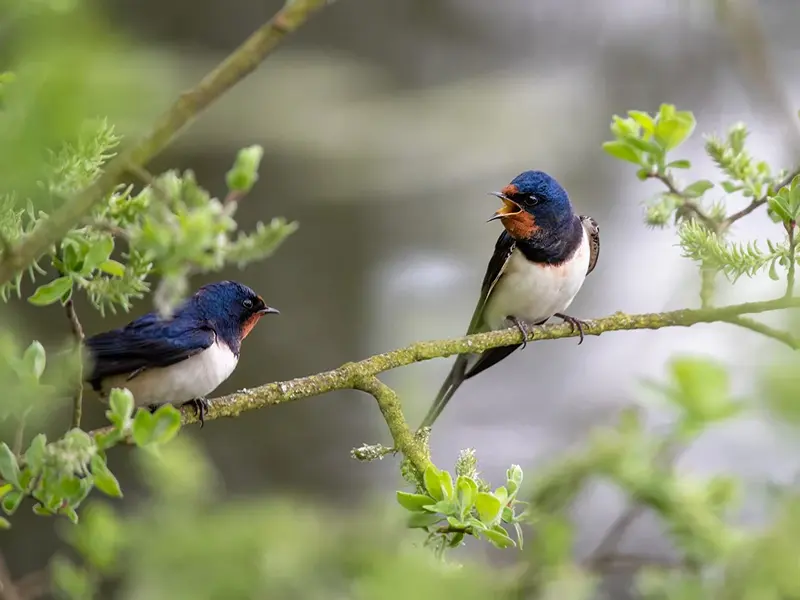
384,125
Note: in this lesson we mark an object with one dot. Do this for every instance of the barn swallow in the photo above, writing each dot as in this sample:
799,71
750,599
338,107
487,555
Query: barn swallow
539,264
182,358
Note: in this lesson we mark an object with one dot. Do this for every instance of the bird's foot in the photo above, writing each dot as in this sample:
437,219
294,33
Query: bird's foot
523,328
576,324
200,406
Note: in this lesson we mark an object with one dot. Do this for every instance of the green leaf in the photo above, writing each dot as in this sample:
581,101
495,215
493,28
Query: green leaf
698,188
702,389
244,173
34,455
501,494
645,146
730,187
423,519
432,482
72,581
112,267
109,439
11,501
674,127
514,473
680,164
501,540
644,120
121,406
780,207
35,359
489,508
51,292
41,510
623,151
445,507
143,425
104,479
98,253
167,422
9,469
518,529
5,489
466,493
70,513
446,481
5,523
413,502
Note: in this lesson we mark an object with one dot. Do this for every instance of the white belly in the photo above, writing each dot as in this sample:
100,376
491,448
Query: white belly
534,292
195,377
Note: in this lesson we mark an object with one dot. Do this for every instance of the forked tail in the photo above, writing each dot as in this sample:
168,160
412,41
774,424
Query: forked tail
449,387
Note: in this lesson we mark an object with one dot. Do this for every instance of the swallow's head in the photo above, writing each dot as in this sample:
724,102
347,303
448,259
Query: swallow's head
532,203
233,305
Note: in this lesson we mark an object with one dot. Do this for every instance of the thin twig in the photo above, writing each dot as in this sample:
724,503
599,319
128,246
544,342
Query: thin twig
392,412
351,374
790,229
669,453
634,561
776,334
761,201
688,202
240,63
77,335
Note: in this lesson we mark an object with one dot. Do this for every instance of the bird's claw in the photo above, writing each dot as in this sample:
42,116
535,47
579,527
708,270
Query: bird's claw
576,324
200,406
523,328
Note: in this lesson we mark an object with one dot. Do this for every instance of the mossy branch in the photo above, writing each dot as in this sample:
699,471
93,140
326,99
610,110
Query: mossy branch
362,375
240,63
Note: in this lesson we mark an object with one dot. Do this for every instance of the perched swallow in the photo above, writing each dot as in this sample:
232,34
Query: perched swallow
539,263
182,358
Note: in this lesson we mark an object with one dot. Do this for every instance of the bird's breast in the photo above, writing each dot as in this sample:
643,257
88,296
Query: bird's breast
534,291
195,377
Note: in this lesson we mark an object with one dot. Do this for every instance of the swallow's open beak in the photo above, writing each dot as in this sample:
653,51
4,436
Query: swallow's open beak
509,207
268,310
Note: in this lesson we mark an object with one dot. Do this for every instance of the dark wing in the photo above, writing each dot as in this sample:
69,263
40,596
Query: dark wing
593,229
494,270
147,342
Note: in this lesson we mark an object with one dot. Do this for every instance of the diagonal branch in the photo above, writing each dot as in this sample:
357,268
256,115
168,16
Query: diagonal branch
240,63
77,335
361,375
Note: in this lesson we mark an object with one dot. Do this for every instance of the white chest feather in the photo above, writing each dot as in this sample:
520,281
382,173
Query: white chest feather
533,292
195,377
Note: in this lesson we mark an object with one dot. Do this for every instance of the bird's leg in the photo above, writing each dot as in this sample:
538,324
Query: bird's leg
576,324
523,328
200,406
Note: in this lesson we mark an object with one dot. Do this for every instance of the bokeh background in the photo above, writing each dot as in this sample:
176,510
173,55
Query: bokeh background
384,125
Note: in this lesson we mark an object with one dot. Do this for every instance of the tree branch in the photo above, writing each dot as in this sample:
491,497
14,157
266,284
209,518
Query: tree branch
361,375
761,201
392,411
240,63
77,334
753,325
689,203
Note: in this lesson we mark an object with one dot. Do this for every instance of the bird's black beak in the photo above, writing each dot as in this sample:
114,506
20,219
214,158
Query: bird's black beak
268,310
509,207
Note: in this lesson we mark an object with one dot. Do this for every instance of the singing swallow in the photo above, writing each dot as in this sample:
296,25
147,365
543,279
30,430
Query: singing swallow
540,262
182,358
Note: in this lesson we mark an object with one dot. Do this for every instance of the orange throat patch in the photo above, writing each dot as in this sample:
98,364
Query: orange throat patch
248,325
521,225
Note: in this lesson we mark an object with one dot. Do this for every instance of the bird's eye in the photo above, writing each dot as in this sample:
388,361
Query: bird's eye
533,200
248,303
